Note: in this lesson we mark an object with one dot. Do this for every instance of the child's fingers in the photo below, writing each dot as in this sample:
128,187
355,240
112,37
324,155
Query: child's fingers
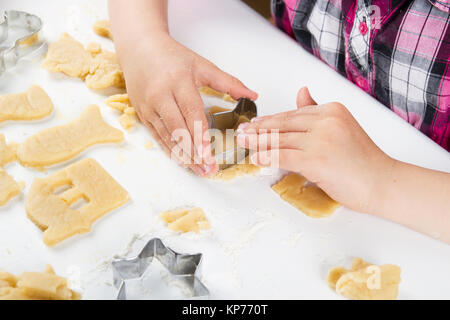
221,81
304,98
274,140
291,121
288,159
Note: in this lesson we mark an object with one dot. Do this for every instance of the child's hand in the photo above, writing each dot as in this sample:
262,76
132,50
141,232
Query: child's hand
326,145
162,79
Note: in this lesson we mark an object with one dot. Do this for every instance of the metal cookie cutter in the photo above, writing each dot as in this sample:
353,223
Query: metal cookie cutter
16,27
228,120
183,266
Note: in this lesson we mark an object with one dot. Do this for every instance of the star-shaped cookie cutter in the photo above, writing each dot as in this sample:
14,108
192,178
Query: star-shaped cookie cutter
183,266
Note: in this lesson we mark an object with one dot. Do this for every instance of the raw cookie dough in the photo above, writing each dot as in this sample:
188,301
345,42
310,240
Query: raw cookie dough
9,188
61,143
365,281
32,104
186,220
99,68
30,40
207,91
36,286
103,29
7,152
309,199
237,170
121,103
51,207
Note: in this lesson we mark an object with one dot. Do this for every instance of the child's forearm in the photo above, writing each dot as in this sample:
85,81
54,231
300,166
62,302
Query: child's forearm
143,18
416,197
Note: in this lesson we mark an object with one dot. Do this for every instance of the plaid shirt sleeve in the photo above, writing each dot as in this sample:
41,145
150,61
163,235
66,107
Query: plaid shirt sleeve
398,51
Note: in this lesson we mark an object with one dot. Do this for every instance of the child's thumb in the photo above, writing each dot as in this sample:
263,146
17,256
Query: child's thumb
304,98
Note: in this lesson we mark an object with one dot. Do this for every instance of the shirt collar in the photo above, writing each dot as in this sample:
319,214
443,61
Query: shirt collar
443,5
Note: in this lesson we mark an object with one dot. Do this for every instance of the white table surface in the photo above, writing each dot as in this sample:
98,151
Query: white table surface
258,246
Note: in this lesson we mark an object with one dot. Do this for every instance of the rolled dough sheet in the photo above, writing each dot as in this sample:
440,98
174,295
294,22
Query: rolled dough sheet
9,188
186,220
309,199
32,104
103,29
7,152
365,281
56,213
99,68
61,143
36,286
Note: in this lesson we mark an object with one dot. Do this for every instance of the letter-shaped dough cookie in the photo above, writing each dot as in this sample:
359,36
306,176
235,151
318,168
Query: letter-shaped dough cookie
9,188
54,213
32,104
57,144
35,286
7,153
309,199
365,281
186,220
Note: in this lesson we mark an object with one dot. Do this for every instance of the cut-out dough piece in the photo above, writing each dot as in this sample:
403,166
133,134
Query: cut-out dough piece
237,170
105,72
36,286
103,29
309,199
7,152
186,220
32,104
68,56
365,281
207,91
54,213
121,103
61,143
9,188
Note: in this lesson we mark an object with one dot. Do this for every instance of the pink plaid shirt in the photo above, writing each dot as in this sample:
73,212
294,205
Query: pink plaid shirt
398,51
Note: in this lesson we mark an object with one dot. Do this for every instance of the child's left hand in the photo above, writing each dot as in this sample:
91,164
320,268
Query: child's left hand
326,145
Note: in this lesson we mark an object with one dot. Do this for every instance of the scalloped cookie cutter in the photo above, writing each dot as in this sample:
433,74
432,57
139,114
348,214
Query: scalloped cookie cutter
16,27
183,266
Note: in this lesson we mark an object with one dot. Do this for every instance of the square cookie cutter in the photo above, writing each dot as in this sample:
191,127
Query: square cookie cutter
182,266
16,27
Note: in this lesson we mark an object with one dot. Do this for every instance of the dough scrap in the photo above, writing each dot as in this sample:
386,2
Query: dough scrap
121,103
30,40
36,286
103,29
99,68
61,143
237,170
32,104
9,188
7,152
365,281
68,56
54,213
186,220
309,199
207,91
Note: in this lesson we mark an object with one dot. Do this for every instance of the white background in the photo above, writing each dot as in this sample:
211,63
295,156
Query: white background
258,246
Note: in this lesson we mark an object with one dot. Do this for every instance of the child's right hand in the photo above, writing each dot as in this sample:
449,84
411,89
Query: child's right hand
162,78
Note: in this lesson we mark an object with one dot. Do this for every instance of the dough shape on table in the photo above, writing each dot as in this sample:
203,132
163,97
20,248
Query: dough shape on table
33,104
365,281
54,212
68,56
57,144
308,198
186,220
9,188
103,29
229,142
7,152
99,68
36,286
207,91
121,103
